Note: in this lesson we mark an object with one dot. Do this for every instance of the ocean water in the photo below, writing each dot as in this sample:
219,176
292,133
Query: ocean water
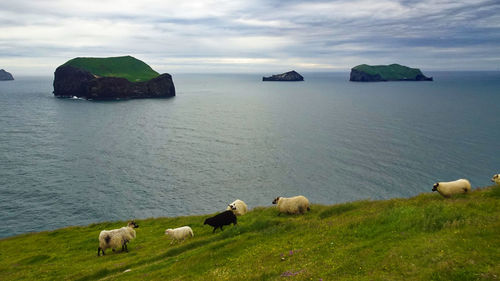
75,162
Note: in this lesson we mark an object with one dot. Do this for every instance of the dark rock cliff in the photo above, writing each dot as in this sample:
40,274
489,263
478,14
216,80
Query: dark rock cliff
357,75
71,81
421,77
288,76
5,76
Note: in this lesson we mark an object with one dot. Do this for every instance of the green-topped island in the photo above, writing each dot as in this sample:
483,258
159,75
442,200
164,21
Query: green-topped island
111,78
393,72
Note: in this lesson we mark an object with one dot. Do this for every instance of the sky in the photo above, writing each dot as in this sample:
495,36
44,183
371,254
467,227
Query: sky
253,36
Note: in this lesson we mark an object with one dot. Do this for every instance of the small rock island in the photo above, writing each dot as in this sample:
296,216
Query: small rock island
5,76
111,78
393,72
287,76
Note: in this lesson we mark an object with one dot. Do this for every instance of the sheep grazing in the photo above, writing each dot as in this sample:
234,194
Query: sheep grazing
219,220
446,189
293,205
496,179
238,207
180,233
116,238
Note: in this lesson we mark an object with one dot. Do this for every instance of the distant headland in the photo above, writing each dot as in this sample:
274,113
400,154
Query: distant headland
393,72
5,76
287,76
111,78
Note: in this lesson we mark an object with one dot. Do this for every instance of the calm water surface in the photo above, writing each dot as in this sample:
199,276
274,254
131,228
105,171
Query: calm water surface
74,162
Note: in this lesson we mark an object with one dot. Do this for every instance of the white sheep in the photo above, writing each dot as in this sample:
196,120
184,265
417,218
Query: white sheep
293,205
180,233
446,189
238,207
496,179
116,238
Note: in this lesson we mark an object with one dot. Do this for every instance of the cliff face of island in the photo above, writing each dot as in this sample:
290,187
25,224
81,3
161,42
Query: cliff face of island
288,76
5,76
393,72
111,78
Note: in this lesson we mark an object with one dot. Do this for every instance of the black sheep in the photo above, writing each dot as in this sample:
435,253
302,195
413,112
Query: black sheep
219,220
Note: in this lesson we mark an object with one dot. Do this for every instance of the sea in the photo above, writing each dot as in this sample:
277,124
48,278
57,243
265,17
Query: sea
223,137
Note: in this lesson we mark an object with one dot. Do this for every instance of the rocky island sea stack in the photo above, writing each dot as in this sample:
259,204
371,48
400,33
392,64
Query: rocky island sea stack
5,76
393,72
288,76
111,78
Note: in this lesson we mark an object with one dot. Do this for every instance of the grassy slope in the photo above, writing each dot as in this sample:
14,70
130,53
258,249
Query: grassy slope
425,237
127,67
390,72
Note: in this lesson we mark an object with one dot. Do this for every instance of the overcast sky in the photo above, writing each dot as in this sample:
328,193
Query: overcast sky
252,36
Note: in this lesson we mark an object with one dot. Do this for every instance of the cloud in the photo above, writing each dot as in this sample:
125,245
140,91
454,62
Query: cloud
253,35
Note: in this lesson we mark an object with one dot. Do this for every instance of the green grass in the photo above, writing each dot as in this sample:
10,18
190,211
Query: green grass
126,67
426,237
390,72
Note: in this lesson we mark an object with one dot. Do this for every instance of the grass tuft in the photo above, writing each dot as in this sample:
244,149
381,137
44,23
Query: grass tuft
34,259
338,210
494,192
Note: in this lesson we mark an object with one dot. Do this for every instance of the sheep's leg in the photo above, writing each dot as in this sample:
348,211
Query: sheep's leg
100,249
221,228
124,245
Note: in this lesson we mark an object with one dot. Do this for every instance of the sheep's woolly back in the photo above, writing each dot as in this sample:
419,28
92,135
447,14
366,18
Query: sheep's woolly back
238,207
180,233
496,179
110,239
219,220
128,233
447,189
293,205
115,238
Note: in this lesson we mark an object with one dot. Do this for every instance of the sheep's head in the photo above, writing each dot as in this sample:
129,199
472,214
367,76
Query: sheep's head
435,186
168,231
495,177
133,224
275,201
232,206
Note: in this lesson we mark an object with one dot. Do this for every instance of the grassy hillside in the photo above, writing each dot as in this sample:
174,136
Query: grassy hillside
425,237
127,67
390,72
